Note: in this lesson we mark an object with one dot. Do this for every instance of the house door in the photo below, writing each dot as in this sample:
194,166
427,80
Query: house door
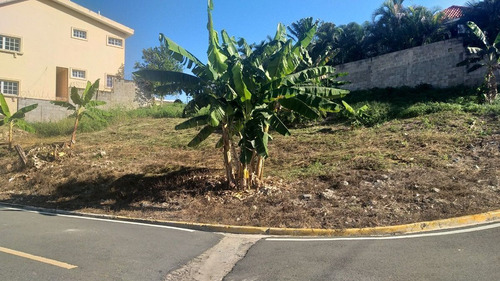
62,84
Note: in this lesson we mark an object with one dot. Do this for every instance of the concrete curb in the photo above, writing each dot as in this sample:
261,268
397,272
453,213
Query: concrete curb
425,226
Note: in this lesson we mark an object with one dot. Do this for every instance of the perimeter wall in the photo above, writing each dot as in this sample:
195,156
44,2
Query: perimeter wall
433,64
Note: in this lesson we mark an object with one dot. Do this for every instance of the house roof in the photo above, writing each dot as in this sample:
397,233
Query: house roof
93,15
88,13
454,12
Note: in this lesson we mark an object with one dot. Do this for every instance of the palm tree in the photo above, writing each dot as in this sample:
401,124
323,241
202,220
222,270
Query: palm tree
422,26
324,46
487,56
389,12
350,43
386,26
298,30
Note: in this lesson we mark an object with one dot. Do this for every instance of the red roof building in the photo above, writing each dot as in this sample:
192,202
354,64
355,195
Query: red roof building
454,12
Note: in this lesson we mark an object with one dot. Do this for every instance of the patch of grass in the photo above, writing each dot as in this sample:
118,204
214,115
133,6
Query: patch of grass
65,126
167,110
405,102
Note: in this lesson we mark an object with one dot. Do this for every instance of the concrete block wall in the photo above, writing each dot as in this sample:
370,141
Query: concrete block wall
433,64
45,112
123,95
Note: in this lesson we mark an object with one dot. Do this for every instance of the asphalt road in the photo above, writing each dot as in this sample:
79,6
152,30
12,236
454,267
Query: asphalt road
101,250
449,255
37,246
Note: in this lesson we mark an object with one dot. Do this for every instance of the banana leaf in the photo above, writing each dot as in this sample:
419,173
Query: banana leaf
68,105
201,136
240,86
89,92
299,107
75,97
183,56
277,125
23,125
20,113
478,33
4,108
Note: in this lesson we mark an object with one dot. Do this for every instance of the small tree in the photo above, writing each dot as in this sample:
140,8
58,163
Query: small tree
16,119
243,90
157,58
83,105
488,56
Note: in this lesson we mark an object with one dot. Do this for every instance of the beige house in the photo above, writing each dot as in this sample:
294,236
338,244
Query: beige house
49,46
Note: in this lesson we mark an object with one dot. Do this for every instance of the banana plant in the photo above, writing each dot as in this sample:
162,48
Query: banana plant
486,56
244,89
82,105
358,116
16,119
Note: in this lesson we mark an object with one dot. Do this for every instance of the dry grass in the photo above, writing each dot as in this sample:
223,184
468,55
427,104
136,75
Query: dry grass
430,167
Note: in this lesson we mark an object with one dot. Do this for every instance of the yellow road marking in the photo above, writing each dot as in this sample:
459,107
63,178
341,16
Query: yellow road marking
37,258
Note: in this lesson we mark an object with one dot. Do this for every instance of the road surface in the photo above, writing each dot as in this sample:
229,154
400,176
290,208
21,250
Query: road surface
100,250
41,246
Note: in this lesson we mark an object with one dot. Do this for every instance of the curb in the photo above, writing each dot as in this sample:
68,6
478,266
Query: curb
464,221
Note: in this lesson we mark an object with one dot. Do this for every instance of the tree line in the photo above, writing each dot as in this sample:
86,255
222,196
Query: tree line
395,27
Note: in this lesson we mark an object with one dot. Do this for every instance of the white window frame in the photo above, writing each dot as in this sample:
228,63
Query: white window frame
3,41
112,81
112,39
74,29
2,85
73,70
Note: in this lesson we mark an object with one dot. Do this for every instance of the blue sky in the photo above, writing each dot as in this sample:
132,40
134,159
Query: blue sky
184,21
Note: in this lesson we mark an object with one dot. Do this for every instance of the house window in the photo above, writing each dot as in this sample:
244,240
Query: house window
9,87
109,81
79,34
115,42
76,73
10,43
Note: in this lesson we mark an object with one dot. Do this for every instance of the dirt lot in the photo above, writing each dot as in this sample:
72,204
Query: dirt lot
323,176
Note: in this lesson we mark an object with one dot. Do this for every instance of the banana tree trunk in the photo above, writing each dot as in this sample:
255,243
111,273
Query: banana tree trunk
11,132
260,161
491,85
260,168
228,159
245,175
73,136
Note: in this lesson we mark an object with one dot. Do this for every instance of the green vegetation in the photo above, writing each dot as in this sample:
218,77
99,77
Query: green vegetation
157,58
406,102
243,89
113,116
16,119
393,27
488,56
84,106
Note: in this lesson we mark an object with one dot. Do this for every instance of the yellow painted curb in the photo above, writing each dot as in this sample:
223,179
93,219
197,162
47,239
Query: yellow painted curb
487,217
463,221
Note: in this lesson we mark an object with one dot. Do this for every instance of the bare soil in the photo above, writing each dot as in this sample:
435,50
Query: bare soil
323,176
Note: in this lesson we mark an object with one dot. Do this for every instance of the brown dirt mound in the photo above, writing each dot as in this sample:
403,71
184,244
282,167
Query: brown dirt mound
433,167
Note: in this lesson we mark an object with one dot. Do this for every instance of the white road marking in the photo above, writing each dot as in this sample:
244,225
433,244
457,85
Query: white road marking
420,235
104,220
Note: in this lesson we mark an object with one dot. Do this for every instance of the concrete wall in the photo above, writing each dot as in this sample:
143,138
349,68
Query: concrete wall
123,96
45,112
433,64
